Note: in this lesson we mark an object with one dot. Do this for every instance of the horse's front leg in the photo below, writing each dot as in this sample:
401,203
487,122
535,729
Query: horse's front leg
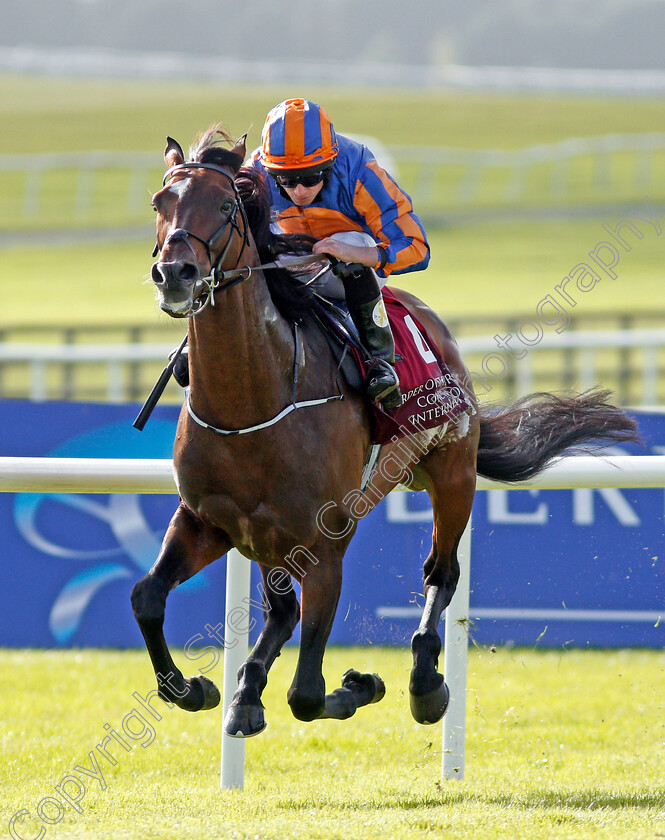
188,546
281,613
307,696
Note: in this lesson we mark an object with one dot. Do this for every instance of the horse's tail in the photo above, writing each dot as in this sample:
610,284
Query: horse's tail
519,441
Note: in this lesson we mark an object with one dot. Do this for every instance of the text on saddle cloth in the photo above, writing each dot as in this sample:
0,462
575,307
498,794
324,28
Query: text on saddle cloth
431,394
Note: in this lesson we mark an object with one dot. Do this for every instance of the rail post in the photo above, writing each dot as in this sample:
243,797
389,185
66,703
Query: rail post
455,665
236,641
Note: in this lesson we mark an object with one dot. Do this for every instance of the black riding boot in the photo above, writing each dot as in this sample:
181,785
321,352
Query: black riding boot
368,312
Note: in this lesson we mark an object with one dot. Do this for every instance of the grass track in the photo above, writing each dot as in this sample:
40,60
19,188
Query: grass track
505,269
76,115
501,270
563,744
51,114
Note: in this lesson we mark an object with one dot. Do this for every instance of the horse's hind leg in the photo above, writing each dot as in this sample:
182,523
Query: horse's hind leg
188,546
451,480
281,612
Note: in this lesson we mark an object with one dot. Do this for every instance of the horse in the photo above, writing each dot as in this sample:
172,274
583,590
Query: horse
270,448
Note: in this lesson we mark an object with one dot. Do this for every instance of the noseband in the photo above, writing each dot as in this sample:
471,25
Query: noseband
214,281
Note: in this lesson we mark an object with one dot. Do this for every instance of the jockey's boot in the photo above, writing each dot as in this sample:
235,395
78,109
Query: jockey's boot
368,312
377,339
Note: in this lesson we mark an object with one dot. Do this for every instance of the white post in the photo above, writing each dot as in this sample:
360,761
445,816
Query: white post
238,582
454,665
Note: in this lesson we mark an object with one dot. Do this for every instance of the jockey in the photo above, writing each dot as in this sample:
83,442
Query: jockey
331,187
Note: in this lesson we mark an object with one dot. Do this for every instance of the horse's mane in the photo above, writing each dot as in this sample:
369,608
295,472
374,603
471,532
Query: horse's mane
291,298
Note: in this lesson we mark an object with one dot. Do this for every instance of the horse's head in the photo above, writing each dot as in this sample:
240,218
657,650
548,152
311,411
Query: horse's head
201,225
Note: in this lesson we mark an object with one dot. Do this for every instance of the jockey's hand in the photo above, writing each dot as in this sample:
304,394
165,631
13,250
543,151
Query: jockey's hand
365,255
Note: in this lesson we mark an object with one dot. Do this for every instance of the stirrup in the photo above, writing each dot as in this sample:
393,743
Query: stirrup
383,385
389,398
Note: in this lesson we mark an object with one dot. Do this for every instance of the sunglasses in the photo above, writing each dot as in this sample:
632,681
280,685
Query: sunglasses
291,181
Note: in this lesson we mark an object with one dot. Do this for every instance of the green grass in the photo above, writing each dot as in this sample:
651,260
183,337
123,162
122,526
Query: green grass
564,744
39,115
499,271
42,114
120,197
502,269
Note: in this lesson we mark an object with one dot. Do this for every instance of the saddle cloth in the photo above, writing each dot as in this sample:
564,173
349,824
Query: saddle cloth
431,394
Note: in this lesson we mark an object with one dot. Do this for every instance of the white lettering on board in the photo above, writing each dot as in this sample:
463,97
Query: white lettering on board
584,511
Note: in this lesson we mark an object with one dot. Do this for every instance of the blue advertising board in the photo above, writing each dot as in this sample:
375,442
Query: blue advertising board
574,568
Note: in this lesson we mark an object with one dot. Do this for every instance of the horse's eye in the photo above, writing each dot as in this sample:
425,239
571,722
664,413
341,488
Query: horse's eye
227,206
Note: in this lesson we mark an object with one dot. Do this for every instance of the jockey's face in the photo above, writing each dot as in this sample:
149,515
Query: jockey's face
301,195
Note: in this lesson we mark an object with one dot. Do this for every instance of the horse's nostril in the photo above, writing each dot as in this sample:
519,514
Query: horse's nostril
156,274
174,273
188,272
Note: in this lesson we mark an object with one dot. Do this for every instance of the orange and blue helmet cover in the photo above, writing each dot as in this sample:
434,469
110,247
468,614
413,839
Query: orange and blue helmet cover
298,134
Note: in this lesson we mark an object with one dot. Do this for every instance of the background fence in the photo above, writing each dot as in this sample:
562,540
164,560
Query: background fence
623,353
110,192
113,188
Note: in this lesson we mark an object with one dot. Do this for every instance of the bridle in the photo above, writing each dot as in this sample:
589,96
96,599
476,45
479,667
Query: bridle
217,280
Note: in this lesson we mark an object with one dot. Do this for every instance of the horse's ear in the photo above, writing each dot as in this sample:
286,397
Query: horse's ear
239,148
173,153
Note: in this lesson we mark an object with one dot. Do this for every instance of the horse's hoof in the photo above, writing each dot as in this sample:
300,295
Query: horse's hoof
211,695
370,684
244,721
202,694
380,688
431,707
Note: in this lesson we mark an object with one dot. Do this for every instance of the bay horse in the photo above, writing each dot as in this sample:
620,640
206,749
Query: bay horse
269,437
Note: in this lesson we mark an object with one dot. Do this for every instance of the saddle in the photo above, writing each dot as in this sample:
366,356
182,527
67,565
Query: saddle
342,336
431,394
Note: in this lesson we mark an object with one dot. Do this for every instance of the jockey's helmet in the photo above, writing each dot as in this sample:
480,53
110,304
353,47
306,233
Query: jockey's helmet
298,135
